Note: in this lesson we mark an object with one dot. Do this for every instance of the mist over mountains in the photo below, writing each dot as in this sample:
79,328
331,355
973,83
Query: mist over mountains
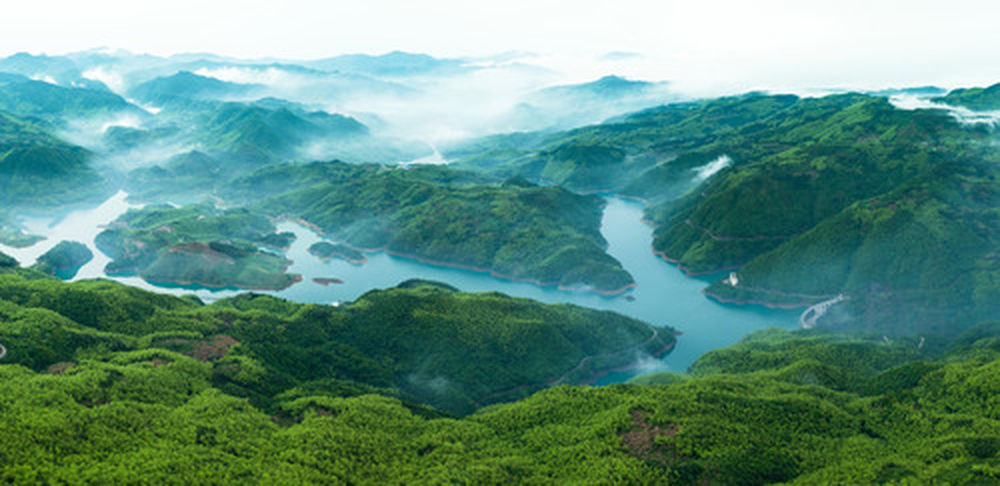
873,215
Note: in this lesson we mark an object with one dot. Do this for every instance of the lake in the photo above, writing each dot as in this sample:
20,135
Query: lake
663,294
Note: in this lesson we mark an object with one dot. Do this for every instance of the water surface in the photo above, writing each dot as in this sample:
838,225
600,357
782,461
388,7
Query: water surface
663,296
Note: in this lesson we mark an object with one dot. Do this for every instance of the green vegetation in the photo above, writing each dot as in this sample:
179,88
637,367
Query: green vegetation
979,99
15,236
64,259
614,155
26,97
232,139
326,251
7,261
839,194
185,85
188,175
107,383
39,170
197,245
422,342
515,229
257,135
921,258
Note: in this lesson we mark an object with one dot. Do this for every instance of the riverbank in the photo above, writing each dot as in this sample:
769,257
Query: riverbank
471,268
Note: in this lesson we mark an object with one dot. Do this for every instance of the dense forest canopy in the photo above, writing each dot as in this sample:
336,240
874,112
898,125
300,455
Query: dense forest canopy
878,213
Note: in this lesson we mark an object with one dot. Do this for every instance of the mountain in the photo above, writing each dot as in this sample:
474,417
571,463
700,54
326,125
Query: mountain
191,174
569,106
762,183
57,68
514,230
392,64
26,97
166,388
978,99
184,85
197,245
229,137
892,208
40,170
423,342
610,87
258,135
64,259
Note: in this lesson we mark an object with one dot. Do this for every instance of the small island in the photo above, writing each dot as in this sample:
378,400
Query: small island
328,251
198,245
16,237
509,228
326,281
64,260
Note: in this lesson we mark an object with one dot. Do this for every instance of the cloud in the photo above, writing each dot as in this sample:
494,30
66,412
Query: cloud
708,170
963,115
114,81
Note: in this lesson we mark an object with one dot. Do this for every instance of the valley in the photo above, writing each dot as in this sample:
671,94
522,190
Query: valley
403,268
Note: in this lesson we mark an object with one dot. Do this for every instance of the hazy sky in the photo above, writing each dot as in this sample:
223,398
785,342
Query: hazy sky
711,42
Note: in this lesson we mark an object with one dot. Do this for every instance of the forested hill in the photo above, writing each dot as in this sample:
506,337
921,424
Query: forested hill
104,383
513,229
422,342
985,99
807,198
39,169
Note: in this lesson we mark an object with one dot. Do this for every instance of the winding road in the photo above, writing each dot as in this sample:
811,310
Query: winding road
813,313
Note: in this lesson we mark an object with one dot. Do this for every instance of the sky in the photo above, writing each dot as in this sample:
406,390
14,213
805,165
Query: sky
711,44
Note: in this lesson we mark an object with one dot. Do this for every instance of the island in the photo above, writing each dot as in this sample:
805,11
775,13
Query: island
328,251
197,245
64,260
15,237
511,228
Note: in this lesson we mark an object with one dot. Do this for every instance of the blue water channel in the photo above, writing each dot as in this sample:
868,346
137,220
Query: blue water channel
663,296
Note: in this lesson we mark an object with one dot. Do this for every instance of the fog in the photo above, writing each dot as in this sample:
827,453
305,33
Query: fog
961,114
708,170
408,114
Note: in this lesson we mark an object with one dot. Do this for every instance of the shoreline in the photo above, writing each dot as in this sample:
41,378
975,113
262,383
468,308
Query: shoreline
762,303
689,273
460,266
593,377
296,278
633,365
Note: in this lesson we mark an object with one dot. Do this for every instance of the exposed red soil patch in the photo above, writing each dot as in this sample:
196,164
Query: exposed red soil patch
640,440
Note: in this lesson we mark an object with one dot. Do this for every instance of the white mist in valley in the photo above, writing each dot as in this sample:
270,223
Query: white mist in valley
708,170
961,114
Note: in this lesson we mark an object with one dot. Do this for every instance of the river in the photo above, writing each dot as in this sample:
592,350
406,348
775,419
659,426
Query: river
663,294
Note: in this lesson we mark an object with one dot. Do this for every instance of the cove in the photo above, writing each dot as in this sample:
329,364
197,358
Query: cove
663,294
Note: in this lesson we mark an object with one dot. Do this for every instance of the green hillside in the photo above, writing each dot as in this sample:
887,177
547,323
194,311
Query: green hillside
26,97
979,99
422,342
197,245
184,85
40,169
64,259
106,383
808,198
515,229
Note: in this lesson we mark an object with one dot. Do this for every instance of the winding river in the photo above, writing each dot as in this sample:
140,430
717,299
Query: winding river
663,294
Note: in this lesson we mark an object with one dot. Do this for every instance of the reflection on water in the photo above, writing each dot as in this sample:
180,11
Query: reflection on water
663,295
